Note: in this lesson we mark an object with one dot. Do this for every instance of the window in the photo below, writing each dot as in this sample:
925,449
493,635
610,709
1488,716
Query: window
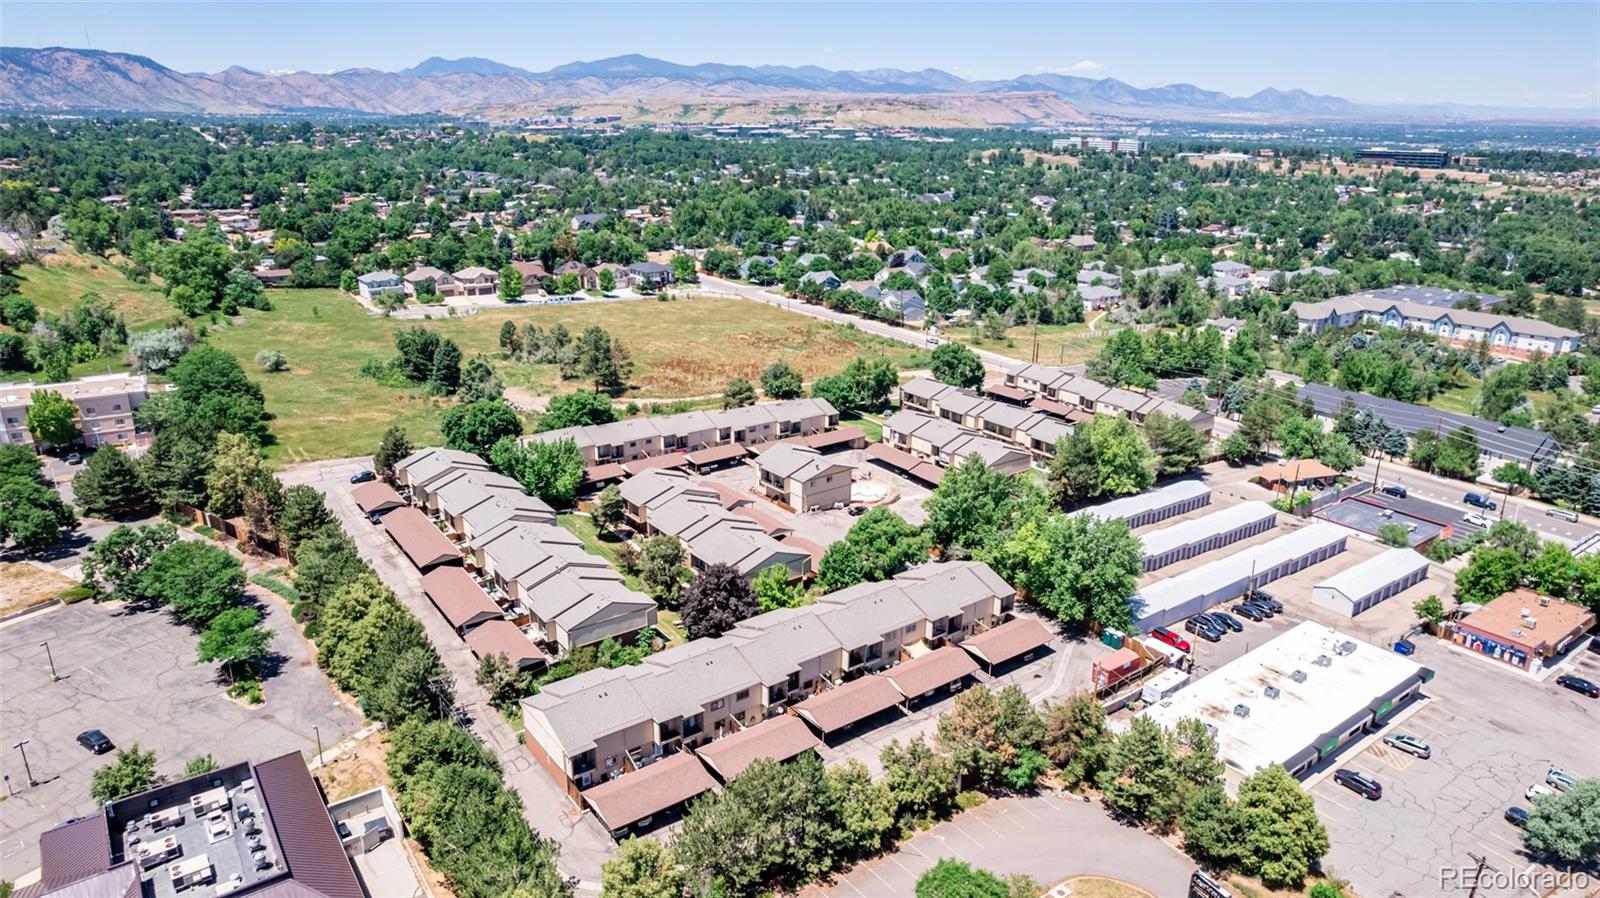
611,761
717,705
116,406
911,628
741,695
88,410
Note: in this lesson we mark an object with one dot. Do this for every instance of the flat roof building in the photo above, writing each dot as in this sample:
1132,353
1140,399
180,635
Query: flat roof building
1295,700
1357,589
1206,533
1523,629
1165,602
1505,335
103,408
1496,441
1154,505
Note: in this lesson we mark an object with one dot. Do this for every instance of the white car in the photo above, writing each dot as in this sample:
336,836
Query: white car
1538,789
1476,519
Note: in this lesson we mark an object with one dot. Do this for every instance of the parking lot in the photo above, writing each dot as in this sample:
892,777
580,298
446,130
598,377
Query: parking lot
134,676
1493,734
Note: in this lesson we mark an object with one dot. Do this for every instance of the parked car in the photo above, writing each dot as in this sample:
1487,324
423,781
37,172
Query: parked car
1395,490
1479,500
1559,778
1263,610
857,510
362,477
1253,612
1475,519
1203,629
95,741
1411,745
1538,789
1359,783
74,458
1172,639
1227,620
1579,685
1262,598
1565,514
1516,816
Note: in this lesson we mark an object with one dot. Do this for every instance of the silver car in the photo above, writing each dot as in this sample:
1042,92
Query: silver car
1560,779
1411,745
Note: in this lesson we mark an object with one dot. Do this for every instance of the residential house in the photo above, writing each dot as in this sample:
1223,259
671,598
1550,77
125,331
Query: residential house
1082,241
473,281
425,274
533,274
1097,296
803,478
1092,275
104,405
1230,268
744,267
827,280
908,303
588,278
900,258
374,284
649,275
587,221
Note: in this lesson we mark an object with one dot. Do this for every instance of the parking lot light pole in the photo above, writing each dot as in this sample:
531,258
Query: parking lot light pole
318,730
51,658
22,747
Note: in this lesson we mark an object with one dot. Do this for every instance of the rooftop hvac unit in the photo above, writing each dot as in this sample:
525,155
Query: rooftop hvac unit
1322,661
1241,710
1298,676
1532,623
1270,692
1344,648
1516,631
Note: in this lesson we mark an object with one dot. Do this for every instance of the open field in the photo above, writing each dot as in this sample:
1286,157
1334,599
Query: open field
65,277
682,348
1059,344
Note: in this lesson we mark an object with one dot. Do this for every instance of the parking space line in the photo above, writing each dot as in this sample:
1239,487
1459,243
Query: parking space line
879,877
1024,809
1509,860
1515,846
1331,800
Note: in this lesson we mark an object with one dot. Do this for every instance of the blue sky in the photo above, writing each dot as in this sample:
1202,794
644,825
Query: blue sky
1507,53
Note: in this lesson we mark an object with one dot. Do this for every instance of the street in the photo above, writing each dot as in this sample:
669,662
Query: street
1448,492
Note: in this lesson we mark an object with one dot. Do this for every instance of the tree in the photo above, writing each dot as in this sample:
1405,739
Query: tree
1177,446
511,285
1397,535
1490,573
1106,456
109,485
1138,779
553,470
1566,825
1551,571
444,372
600,359
478,426
51,418
239,478
641,868
949,878
774,589
112,565
177,462
974,505
683,269
1429,610
1078,568
779,380
132,772
609,509
234,640
606,280
1075,737
921,781
879,545
211,387
577,409
773,823
508,338
739,392
864,807
660,560
155,351
717,600
32,515
271,360
501,679
954,364
392,449
478,381
196,580
1282,839
1211,827
304,512
199,766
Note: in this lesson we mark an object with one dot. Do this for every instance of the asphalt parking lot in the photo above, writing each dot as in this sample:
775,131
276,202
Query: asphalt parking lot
134,676
1493,733
1047,837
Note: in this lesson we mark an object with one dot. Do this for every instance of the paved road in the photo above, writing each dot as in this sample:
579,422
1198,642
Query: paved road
1448,492
584,843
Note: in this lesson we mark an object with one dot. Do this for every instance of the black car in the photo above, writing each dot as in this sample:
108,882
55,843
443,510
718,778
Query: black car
1579,684
857,510
1359,783
375,517
1395,490
1261,598
95,741
1227,620
1203,629
1517,817
1262,608
362,477
1253,612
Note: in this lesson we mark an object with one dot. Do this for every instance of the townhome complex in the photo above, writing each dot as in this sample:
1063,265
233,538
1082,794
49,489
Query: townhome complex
635,438
803,478
923,446
1505,335
1066,392
856,653
105,405
671,503
1034,432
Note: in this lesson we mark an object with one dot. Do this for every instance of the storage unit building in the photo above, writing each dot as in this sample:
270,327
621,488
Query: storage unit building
1153,505
1204,534
1166,601
1354,590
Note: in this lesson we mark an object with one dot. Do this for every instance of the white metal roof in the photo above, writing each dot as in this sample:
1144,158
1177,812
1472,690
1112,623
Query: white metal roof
1375,573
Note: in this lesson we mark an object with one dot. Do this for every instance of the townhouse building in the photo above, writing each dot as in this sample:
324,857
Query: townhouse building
1033,432
803,478
1064,391
104,408
1506,336
671,503
635,438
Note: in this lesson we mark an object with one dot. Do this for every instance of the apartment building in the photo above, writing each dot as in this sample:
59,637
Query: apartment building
946,444
671,503
1031,431
105,406
604,725
1506,336
803,478
1070,388
635,438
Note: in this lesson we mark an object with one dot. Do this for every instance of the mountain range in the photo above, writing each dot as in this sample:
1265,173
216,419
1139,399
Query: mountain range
62,79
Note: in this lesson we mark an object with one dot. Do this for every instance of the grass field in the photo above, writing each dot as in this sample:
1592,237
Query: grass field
67,276
687,347
1059,344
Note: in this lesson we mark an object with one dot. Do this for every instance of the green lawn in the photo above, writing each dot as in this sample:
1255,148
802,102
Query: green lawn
871,425
582,526
1058,344
65,277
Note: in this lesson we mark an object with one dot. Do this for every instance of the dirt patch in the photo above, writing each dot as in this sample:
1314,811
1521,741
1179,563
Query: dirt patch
357,770
1099,887
23,584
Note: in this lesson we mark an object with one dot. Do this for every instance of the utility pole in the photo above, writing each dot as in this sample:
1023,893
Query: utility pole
1483,864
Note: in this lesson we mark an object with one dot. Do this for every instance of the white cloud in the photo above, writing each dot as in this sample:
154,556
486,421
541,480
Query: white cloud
827,49
1081,67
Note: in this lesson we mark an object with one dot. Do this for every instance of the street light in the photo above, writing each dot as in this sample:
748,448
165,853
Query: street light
51,658
318,730
20,746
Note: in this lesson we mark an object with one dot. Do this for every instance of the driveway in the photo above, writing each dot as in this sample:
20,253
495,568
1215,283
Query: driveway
1048,837
585,845
133,674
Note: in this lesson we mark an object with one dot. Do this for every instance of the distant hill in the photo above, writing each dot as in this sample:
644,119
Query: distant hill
60,78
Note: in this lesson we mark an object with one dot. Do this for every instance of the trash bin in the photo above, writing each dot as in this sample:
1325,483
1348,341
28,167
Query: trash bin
1405,647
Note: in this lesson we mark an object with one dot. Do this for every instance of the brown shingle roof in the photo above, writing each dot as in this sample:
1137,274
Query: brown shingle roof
854,701
634,796
714,454
503,637
602,473
780,739
1297,471
940,667
461,600
655,462
299,817
1008,640
376,496
418,538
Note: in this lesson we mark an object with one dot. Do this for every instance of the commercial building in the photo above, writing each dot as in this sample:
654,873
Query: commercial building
1416,158
803,478
1523,629
105,405
1165,602
246,830
1496,442
1356,589
1206,533
1505,335
1151,506
1294,701
635,438
1071,388
1123,145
